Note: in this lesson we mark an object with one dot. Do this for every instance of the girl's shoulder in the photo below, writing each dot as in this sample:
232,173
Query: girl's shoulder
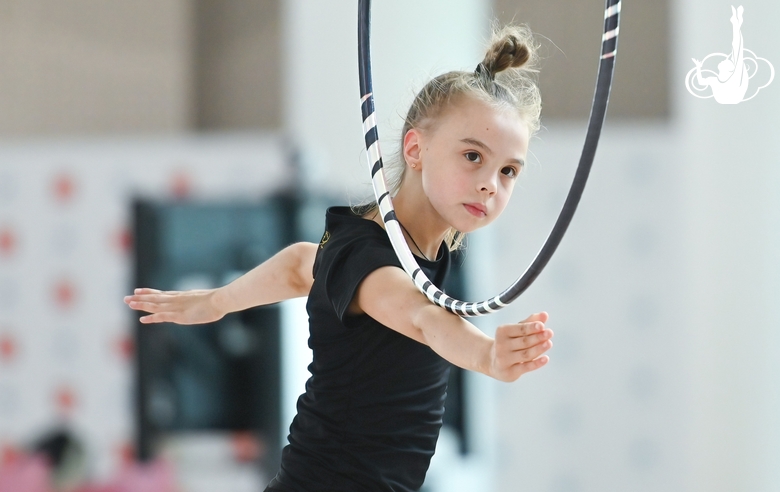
344,225
349,237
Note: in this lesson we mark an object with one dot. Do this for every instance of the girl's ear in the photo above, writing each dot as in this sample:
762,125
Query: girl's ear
412,147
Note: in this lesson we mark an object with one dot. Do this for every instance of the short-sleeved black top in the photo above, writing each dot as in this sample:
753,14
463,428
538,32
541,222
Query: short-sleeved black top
373,407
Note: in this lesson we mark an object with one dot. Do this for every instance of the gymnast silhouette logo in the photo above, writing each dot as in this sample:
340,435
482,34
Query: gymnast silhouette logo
735,70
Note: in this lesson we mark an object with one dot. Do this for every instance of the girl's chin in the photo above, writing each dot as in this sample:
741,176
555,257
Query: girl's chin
469,230
467,226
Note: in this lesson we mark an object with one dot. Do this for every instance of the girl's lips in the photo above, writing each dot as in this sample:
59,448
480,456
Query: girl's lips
476,209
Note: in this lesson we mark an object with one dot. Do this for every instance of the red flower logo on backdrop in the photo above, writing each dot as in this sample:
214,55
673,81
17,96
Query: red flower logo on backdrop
9,454
126,452
65,399
64,188
64,294
7,348
181,184
7,241
125,347
123,240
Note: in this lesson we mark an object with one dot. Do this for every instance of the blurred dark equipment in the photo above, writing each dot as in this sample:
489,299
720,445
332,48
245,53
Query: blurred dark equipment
218,376
54,445
455,405
64,453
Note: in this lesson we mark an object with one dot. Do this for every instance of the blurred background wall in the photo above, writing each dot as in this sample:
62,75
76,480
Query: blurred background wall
664,295
88,67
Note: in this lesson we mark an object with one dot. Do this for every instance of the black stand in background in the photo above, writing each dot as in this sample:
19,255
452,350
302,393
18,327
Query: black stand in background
218,376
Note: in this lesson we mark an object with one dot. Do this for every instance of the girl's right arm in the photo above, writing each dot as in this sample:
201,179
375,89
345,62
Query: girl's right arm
388,296
286,275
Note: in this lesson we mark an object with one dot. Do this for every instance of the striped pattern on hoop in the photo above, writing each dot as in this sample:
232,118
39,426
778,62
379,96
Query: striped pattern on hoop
611,29
384,201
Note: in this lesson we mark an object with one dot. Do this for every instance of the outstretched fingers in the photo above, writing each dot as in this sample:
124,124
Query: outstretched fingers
523,367
521,347
149,307
532,365
534,351
150,303
530,359
182,307
157,305
160,317
542,317
153,301
522,337
145,290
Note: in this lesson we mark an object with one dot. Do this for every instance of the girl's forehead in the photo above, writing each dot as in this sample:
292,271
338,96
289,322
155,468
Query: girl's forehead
474,115
470,109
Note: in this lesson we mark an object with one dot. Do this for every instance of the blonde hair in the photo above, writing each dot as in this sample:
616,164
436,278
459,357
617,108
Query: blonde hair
506,78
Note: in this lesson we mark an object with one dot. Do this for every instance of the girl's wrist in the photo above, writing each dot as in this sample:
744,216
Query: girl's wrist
220,301
487,366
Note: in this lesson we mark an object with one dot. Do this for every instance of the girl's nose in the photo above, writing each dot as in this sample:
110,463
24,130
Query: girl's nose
488,184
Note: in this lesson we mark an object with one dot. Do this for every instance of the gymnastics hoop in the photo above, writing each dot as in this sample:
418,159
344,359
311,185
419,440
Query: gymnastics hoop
384,201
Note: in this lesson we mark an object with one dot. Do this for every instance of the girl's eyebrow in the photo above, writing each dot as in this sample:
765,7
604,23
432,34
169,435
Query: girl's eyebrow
477,143
481,145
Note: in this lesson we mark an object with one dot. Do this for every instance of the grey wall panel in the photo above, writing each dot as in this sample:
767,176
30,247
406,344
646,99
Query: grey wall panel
573,30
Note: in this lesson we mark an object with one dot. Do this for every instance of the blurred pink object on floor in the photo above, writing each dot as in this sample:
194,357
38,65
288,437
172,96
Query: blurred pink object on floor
156,476
25,474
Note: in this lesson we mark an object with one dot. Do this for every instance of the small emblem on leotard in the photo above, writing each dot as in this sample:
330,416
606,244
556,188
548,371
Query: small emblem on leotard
324,239
729,85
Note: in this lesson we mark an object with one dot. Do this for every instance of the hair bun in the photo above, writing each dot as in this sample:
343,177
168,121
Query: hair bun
511,47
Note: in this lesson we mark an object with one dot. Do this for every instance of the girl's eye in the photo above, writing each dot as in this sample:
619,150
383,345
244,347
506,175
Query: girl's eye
509,171
473,157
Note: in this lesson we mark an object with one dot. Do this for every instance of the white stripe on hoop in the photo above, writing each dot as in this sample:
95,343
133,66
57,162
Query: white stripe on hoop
498,301
475,309
431,290
608,55
380,185
610,34
363,99
462,309
373,154
369,123
612,11
442,299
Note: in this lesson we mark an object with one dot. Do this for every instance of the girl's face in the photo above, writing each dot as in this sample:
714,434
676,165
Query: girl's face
469,161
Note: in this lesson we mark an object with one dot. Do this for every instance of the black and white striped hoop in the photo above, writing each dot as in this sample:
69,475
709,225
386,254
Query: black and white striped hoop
597,114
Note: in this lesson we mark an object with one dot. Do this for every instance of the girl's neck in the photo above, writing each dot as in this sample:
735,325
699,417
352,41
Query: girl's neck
420,221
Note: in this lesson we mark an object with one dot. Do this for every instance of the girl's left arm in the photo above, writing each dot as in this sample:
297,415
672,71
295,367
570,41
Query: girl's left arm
286,275
388,296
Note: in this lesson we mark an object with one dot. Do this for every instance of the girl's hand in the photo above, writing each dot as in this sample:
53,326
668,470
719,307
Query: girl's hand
518,348
190,307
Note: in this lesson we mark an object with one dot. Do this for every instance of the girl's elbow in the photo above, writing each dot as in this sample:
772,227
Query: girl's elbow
424,322
303,277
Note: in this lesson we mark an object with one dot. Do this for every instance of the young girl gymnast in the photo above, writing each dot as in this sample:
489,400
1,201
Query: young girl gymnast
371,413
